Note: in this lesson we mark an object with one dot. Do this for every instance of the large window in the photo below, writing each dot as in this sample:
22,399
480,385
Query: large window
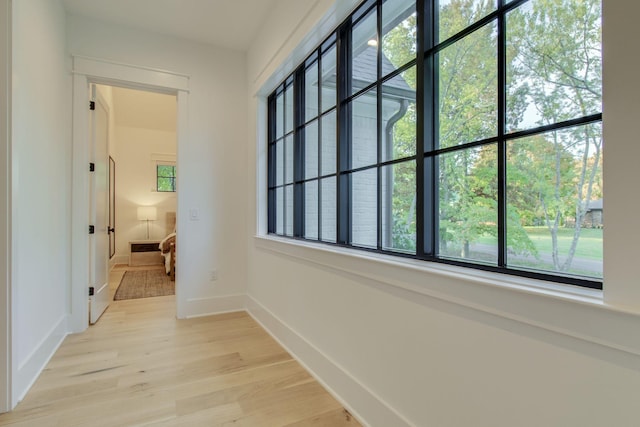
458,131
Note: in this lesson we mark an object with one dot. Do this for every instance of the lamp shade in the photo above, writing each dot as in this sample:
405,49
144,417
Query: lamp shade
149,213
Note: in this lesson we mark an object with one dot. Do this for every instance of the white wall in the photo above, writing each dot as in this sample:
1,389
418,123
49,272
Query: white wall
135,179
41,195
211,162
405,343
5,195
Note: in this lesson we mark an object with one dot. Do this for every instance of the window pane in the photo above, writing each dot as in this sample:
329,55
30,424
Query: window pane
311,210
328,209
329,79
554,62
279,162
311,92
364,52
166,171
468,205
288,111
399,116
456,15
165,184
554,199
288,222
279,115
399,207
468,88
311,150
279,210
364,130
288,159
329,143
399,41
364,208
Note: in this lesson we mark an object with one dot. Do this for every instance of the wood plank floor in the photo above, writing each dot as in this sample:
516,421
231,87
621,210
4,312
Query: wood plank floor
139,366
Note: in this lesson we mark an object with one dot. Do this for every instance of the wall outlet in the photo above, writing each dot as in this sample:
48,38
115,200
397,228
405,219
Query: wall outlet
213,275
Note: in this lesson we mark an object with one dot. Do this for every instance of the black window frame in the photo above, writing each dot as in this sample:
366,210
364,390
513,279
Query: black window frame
427,154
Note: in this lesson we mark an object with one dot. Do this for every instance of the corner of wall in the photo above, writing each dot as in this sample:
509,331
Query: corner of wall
359,400
27,373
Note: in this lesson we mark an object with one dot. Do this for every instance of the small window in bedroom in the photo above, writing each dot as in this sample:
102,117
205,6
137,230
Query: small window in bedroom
166,178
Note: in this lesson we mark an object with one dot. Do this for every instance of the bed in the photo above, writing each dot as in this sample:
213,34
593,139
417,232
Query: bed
168,246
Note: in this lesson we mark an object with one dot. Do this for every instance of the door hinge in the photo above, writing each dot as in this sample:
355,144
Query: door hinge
91,291
92,105
92,229
92,167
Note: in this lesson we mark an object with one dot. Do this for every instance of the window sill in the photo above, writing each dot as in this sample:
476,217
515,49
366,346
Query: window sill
570,311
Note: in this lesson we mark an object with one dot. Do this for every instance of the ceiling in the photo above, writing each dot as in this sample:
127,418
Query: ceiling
231,24
139,109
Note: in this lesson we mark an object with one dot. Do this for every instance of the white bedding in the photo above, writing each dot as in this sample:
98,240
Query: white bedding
166,255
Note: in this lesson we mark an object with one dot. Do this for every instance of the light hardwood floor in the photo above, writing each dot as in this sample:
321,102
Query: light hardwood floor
139,366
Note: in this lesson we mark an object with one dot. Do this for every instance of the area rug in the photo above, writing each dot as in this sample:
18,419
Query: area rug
144,284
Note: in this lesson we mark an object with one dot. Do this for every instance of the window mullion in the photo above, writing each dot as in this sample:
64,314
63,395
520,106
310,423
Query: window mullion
271,161
379,125
502,156
343,125
427,98
298,151
319,136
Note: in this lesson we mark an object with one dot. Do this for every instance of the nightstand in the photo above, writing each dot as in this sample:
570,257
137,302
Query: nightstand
145,252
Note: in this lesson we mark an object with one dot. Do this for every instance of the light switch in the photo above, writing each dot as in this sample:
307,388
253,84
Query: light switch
193,214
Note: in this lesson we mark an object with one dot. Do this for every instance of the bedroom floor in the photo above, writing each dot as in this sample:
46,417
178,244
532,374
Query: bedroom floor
140,366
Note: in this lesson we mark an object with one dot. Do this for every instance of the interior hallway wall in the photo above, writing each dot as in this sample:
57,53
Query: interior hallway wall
213,179
5,194
397,345
41,186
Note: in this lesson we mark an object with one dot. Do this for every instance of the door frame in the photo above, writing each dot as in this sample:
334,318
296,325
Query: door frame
6,370
88,70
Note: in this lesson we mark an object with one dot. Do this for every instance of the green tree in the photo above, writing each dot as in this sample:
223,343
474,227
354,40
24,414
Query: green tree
555,52
399,47
467,112
553,74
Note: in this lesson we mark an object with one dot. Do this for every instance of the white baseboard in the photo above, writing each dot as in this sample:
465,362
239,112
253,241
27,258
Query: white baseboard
363,404
198,307
29,370
118,259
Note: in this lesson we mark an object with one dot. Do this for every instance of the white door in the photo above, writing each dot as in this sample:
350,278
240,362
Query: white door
99,209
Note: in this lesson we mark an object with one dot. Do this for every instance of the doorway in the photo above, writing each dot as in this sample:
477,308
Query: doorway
87,71
141,153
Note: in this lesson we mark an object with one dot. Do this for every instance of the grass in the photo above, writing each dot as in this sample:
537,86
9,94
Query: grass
589,246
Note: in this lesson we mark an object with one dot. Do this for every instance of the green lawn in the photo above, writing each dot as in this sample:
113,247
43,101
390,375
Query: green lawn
589,245
589,249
